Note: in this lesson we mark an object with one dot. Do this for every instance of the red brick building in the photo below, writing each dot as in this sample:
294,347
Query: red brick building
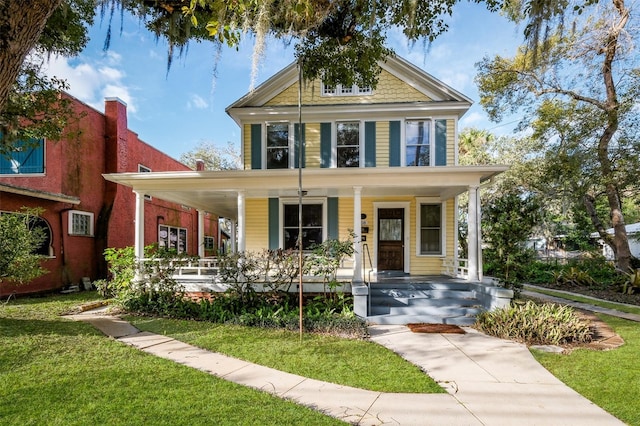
83,213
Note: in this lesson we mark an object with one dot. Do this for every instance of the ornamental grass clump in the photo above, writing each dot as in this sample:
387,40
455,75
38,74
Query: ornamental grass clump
538,324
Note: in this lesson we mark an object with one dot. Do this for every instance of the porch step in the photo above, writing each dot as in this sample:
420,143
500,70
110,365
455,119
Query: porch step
420,319
448,302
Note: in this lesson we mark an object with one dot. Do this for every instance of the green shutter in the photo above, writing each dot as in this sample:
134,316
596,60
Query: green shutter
274,223
332,218
297,144
325,145
441,143
370,144
394,144
256,146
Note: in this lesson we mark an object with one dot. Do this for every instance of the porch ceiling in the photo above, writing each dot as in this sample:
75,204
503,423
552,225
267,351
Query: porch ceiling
217,191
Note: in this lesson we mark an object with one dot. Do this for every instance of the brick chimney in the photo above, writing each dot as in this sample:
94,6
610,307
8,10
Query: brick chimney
199,165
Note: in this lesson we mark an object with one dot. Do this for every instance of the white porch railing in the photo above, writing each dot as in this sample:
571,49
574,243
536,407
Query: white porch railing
204,266
458,268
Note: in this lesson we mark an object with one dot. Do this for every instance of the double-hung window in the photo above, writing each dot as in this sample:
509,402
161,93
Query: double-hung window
80,223
348,144
418,143
430,228
313,225
172,238
278,146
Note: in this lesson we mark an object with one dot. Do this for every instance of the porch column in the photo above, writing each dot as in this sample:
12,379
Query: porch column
479,239
242,231
234,237
357,228
200,233
138,241
472,237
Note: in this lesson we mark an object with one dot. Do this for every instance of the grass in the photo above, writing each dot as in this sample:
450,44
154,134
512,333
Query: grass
601,303
610,379
355,363
59,372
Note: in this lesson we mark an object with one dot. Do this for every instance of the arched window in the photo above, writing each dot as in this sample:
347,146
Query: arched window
45,248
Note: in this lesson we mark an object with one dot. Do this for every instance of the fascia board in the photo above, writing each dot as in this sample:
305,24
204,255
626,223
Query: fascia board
319,113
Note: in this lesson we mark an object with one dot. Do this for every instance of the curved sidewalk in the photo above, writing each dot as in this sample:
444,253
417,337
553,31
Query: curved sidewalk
489,381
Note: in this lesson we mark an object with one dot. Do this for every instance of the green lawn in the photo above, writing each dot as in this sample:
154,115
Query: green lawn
356,363
610,379
576,298
59,372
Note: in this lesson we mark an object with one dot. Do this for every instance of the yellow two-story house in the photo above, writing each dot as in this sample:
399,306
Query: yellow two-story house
379,163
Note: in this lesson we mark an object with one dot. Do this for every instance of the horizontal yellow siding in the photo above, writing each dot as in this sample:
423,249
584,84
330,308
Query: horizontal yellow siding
258,230
390,89
451,142
382,144
312,145
257,223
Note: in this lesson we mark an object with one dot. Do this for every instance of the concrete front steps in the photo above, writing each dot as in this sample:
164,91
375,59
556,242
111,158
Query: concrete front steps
429,302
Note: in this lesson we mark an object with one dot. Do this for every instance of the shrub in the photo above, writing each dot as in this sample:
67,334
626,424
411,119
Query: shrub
532,323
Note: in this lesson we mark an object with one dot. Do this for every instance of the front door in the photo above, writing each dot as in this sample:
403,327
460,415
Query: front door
391,239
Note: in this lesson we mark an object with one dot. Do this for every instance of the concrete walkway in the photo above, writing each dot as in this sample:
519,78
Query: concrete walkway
489,381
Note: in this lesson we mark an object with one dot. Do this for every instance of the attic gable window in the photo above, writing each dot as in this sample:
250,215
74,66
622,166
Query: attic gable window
341,90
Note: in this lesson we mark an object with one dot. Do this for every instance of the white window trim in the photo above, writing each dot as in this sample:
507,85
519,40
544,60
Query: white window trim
291,141
338,91
443,225
178,228
290,201
80,213
334,142
432,145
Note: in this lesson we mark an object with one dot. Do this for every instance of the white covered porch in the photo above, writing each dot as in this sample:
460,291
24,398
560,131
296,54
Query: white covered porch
225,193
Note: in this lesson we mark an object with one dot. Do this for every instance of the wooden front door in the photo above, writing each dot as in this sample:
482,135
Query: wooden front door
391,239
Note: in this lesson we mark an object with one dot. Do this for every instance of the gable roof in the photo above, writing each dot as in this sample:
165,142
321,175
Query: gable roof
442,97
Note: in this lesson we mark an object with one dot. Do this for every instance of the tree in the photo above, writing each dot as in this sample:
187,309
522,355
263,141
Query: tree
30,103
341,40
577,87
20,240
507,224
214,157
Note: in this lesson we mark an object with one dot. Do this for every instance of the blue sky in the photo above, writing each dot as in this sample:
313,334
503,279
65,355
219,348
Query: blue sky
174,111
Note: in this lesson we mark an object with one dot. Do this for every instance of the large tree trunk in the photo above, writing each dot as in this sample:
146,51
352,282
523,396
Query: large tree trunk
620,241
21,23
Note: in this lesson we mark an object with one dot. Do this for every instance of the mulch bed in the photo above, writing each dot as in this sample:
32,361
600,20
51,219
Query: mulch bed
435,328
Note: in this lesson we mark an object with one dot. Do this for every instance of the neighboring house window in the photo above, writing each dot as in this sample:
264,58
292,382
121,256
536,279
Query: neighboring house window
418,142
313,228
35,222
172,238
25,158
278,147
430,229
341,90
145,169
348,144
209,243
80,223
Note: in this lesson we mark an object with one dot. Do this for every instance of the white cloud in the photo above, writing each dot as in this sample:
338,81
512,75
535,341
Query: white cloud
472,119
92,80
197,102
